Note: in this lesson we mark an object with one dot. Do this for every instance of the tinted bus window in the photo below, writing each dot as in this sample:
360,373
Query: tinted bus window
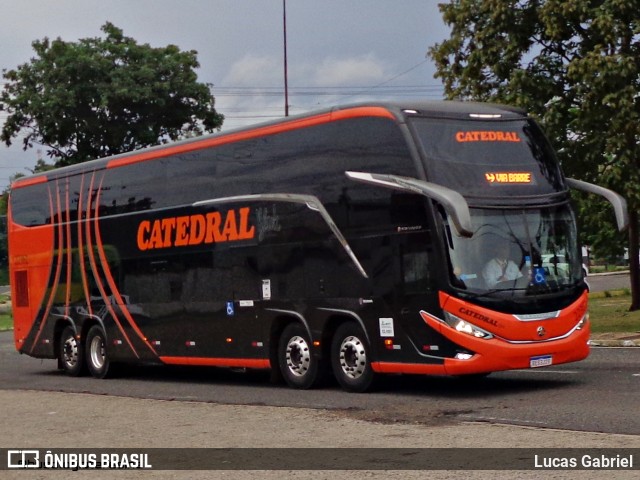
308,161
30,205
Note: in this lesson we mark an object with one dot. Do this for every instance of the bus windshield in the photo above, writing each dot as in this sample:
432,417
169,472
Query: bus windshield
524,251
495,159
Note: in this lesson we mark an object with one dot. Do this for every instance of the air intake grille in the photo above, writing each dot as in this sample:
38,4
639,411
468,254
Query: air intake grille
21,282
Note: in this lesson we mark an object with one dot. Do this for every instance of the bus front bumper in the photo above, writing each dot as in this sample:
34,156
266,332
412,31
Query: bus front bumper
495,354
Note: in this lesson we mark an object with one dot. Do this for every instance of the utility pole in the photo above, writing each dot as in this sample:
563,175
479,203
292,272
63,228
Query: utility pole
286,82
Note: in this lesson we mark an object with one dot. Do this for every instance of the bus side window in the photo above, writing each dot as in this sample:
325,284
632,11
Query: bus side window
417,274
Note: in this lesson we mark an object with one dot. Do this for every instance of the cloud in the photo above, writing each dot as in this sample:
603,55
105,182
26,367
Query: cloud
349,71
253,88
263,71
254,70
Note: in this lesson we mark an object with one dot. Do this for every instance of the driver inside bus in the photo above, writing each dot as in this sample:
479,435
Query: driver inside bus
500,268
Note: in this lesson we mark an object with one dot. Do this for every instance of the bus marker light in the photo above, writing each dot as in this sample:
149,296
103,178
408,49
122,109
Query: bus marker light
316,343
156,342
583,321
388,344
485,116
229,340
257,344
190,343
430,348
117,342
463,356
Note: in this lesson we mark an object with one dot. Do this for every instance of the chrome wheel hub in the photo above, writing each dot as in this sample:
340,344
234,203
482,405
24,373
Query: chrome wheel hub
70,351
96,352
353,357
298,356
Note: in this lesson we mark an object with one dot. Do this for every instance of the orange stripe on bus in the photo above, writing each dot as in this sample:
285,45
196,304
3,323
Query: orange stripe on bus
94,266
56,279
83,270
258,132
111,281
69,249
408,368
25,182
261,363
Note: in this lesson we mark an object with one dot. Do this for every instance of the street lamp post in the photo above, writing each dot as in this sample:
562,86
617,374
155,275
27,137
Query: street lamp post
286,82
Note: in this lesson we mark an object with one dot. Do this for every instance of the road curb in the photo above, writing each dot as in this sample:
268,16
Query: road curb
633,341
608,274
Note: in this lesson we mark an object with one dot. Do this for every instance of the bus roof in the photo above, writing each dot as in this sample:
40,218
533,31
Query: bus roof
395,110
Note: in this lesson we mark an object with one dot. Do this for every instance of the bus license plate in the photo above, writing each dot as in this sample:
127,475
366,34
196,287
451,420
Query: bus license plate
541,361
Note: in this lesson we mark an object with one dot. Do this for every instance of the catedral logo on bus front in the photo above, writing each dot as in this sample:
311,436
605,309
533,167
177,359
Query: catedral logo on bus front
487,136
189,230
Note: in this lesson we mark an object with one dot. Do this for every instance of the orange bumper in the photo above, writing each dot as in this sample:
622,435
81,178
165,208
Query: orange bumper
497,354
551,339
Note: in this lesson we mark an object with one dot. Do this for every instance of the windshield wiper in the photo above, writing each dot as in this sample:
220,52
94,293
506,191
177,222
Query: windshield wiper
489,293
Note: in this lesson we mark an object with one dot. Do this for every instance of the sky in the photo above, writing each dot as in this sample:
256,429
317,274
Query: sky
338,51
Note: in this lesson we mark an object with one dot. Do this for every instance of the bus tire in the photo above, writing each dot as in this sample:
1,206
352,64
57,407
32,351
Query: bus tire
71,353
96,352
297,363
351,358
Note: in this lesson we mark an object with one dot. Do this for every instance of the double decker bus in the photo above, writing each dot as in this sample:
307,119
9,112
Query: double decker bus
353,240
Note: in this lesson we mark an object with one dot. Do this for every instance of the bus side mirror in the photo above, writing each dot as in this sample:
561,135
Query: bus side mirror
453,202
618,202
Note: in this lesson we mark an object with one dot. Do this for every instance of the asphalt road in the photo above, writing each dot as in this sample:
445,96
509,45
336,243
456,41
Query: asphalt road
553,397
589,405
615,281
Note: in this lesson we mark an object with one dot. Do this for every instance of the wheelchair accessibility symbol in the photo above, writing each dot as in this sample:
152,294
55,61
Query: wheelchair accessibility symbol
230,309
539,276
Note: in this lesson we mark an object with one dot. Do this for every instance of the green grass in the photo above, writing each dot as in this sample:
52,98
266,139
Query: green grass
6,319
6,322
607,268
609,312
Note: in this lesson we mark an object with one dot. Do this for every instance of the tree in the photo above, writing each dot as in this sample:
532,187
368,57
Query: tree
573,64
104,96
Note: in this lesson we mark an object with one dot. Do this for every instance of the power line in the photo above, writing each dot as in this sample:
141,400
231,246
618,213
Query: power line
325,90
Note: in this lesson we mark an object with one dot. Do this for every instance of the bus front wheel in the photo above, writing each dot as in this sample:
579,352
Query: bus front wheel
351,358
296,361
70,353
96,350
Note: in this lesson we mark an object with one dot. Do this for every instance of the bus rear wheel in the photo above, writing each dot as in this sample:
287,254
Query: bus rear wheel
296,361
96,350
351,358
70,353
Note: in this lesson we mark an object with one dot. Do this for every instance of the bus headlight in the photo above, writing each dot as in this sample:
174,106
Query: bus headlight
583,322
465,327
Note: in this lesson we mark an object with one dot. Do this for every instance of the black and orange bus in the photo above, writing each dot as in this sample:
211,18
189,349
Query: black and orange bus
352,240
